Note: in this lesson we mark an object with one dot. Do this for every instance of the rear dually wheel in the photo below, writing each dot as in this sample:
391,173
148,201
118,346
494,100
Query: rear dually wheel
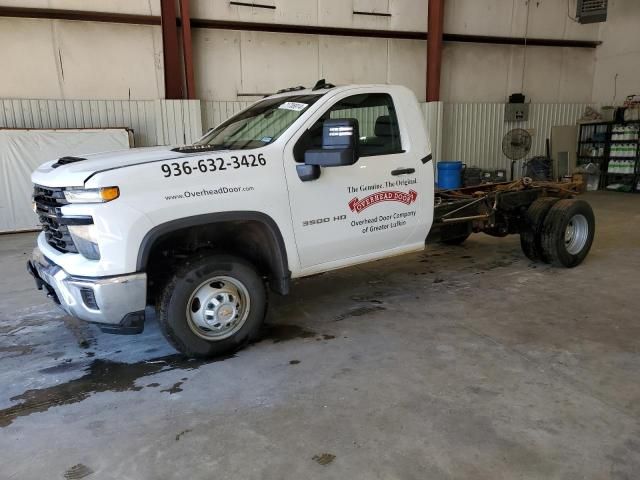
567,233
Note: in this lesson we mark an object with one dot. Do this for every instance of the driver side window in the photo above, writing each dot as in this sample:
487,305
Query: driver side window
377,120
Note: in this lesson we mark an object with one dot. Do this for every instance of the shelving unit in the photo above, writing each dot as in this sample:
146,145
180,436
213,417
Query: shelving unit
614,147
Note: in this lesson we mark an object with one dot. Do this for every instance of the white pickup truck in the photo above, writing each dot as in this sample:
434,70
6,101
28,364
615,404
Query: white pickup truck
301,182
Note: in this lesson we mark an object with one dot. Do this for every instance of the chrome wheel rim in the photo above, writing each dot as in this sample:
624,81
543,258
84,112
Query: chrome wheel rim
218,308
576,234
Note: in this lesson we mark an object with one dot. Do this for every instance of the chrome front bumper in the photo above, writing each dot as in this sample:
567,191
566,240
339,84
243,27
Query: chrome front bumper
112,302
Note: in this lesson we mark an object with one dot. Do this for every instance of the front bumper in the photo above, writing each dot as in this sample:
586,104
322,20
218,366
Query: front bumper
117,303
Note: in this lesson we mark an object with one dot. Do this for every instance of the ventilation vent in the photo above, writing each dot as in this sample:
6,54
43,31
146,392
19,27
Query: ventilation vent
65,160
592,11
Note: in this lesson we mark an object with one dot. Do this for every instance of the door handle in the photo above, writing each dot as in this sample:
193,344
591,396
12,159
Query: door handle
403,171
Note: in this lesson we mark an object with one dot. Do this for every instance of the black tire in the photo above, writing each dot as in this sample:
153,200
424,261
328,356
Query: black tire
567,233
530,240
172,306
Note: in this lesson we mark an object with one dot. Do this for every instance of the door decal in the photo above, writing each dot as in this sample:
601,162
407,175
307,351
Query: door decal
407,198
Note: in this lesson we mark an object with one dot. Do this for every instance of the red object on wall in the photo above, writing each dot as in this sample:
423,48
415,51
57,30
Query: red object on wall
187,51
434,49
170,50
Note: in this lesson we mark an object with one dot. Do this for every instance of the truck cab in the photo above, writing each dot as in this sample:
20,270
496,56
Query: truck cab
301,182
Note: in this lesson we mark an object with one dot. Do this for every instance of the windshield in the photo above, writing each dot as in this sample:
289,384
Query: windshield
259,125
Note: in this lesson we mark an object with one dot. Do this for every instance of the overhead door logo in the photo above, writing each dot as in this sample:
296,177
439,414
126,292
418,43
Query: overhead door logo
385,196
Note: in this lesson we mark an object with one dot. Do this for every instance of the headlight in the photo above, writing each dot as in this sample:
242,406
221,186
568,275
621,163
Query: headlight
85,240
91,195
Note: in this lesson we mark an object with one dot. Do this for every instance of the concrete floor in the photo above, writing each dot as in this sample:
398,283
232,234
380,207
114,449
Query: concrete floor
459,363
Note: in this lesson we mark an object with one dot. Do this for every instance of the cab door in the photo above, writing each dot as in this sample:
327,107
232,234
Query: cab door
372,206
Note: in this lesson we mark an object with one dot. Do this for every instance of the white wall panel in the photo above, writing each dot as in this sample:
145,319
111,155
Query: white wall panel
490,73
178,122
154,122
433,115
547,19
216,112
408,65
617,67
302,12
35,74
134,7
346,60
271,61
62,59
217,63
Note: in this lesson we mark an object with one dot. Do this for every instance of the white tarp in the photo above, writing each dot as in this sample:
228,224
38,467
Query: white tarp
22,151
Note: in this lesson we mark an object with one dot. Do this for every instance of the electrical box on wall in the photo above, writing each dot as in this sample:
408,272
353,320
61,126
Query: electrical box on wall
516,112
592,11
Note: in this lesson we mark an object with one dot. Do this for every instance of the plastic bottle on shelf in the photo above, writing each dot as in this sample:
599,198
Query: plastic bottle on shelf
615,149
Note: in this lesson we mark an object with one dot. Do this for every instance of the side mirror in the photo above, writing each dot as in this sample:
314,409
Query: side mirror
339,144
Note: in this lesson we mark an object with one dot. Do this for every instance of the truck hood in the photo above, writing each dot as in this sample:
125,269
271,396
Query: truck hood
75,174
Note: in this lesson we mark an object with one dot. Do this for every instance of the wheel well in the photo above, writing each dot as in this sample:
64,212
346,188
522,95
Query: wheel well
254,237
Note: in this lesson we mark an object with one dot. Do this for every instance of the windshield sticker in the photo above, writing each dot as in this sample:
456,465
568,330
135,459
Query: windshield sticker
266,139
293,106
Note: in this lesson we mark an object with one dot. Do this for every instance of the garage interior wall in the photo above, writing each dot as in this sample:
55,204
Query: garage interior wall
617,64
89,74
88,60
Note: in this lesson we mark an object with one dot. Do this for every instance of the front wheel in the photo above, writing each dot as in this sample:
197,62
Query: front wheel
567,233
212,306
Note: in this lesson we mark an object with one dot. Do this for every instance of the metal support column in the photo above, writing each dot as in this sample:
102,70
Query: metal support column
187,51
434,49
171,50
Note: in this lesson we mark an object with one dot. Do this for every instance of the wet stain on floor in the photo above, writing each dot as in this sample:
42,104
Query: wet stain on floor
359,312
324,458
175,388
77,471
284,333
15,350
182,433
100,376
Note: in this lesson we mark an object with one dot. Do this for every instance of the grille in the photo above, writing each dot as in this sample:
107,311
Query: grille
591,11
48,200
593,5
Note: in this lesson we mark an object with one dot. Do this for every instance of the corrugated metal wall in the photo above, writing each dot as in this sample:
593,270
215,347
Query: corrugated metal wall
216,112
154,122
178,122
433,112
469,132
473,132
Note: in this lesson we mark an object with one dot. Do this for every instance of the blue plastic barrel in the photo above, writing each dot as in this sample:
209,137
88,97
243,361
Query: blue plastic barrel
449,175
